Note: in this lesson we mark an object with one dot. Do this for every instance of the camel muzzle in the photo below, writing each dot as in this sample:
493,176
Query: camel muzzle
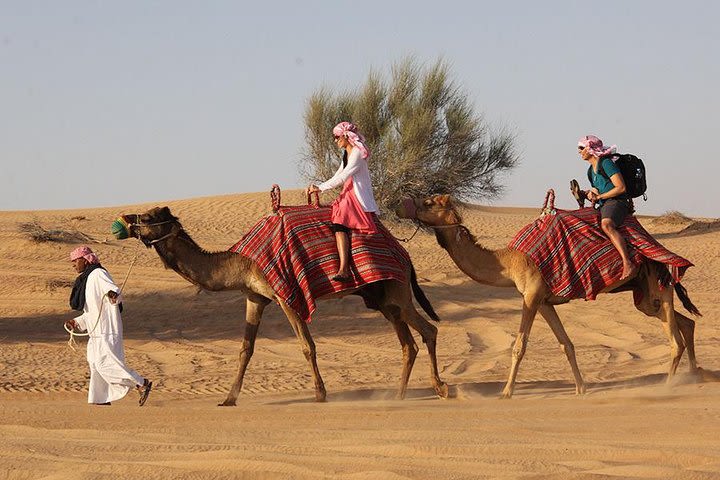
407,209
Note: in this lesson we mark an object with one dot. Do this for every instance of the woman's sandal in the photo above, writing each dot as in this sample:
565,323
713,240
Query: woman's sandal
145,392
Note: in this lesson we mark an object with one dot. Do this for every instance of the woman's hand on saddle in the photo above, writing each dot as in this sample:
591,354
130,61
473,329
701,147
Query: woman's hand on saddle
312,189
71,324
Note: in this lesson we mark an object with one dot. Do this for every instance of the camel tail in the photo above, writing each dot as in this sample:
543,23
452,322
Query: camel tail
421,298
685,299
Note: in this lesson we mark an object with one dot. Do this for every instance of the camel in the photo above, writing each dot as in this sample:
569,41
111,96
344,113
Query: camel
224,270
511,268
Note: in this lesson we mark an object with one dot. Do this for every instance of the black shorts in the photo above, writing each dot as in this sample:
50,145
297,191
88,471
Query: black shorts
336,227
616,210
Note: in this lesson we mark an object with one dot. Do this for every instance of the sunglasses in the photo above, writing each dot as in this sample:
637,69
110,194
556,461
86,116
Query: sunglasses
580,148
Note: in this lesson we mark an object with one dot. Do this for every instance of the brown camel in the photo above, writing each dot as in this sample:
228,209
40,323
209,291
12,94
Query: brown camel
511,268
224,270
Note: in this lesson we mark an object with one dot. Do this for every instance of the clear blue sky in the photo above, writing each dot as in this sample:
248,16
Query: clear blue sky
114,103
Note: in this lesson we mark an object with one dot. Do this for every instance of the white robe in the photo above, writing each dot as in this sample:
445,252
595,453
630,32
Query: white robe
110,378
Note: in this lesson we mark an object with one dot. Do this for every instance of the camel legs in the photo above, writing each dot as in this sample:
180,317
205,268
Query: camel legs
687,330
667,316
528,316
428,332
409,348
253,313
308,347
553,320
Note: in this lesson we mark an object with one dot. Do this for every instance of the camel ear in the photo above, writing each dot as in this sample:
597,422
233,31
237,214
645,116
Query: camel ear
165,212
443,200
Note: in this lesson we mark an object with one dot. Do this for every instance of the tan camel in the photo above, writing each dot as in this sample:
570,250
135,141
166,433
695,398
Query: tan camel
224,270
511,268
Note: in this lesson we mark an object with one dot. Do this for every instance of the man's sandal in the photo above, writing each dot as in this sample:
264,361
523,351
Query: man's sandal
145,392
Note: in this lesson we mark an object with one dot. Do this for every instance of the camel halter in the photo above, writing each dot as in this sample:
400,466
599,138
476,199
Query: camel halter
71,341
153,242
410,204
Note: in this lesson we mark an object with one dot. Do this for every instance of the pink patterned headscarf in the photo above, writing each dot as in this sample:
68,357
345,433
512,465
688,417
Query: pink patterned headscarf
350,131
596,146
84,252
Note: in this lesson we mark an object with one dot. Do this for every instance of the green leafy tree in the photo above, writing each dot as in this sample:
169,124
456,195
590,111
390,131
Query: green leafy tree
422,132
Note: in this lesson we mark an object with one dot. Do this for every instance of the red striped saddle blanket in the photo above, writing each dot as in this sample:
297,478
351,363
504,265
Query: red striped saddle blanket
577,260
297,252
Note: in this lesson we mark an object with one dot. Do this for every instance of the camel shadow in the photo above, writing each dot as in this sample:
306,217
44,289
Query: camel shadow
190,315
523,390
561,388
379,394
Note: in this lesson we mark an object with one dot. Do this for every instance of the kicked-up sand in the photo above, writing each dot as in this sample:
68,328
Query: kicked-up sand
629,424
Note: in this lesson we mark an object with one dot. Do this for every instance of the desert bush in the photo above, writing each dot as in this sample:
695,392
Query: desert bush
423,133
673,217
40,234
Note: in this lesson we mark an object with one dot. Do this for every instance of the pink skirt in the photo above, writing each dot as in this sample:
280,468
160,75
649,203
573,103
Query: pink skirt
347,211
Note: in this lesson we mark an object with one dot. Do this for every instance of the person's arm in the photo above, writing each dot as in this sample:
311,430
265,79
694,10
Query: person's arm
108,287
353,165
618,187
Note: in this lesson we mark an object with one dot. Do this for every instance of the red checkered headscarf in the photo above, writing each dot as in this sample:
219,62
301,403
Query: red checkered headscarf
84,252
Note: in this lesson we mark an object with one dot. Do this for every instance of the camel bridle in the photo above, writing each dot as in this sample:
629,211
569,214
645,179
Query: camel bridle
414,216
153,224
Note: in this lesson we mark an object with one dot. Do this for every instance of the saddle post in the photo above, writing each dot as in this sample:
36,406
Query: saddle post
549,204
275,197
313,198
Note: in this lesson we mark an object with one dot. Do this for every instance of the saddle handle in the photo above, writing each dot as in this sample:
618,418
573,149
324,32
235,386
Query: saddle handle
275,197
548,207
313,199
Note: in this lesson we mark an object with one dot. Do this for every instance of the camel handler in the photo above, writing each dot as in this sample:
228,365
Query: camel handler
98,298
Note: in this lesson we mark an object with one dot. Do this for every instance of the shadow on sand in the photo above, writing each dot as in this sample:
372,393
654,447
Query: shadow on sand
523,390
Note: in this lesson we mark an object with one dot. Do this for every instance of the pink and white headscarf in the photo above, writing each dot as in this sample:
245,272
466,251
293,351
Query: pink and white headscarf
84,252
596,146
350,131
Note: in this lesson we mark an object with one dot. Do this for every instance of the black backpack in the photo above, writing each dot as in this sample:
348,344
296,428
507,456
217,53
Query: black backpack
633,172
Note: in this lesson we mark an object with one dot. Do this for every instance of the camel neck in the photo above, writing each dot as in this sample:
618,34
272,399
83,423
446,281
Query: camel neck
200,267
476,261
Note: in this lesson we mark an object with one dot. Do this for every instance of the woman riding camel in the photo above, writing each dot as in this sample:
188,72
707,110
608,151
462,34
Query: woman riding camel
608,191
355,208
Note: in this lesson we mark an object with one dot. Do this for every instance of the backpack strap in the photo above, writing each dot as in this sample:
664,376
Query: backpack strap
601,171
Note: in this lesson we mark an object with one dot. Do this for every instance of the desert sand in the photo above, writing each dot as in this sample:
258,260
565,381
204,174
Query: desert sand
630,423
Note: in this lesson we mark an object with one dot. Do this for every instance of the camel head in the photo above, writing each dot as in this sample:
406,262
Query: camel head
151,227
433,211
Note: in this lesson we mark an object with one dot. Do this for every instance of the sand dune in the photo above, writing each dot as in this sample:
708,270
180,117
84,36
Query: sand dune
630,424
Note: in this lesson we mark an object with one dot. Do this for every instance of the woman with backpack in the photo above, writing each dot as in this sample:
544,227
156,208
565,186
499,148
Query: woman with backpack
609,192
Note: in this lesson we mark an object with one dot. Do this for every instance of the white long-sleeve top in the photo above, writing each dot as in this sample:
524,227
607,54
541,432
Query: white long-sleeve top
357,168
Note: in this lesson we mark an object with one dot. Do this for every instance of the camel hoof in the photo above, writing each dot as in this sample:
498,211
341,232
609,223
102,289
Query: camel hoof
506,396
320,396
227,403
442,390
400,395
580,390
